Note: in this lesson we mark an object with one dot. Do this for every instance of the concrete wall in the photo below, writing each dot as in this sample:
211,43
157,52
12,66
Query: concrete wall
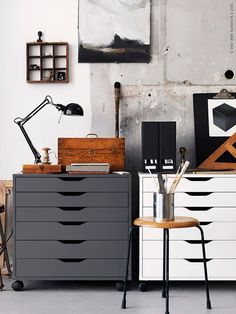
192,47
20,22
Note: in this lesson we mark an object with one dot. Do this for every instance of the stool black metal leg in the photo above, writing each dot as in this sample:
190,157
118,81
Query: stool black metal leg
167,271
123,304
5,252
164,265
205,268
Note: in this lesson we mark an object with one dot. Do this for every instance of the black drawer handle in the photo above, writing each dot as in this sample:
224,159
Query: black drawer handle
198,208
205,223
71,260
198,179
71,223
197,260
71,193
198,193
71,241
71,179
197,241
72,208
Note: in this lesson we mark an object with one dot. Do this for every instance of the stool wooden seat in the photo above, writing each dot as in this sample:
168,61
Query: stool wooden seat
178,222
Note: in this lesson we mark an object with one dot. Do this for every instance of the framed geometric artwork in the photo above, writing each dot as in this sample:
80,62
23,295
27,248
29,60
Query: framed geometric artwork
222,117
114,31
215,122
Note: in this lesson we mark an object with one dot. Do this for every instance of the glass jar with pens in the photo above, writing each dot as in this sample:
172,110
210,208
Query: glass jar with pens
163,199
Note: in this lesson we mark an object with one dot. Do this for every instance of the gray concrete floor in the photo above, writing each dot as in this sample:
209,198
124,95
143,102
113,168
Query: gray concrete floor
44,297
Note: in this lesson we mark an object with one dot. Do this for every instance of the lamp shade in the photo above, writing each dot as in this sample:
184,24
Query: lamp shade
73,109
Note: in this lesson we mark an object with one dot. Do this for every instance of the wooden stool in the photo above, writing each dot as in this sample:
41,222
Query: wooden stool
3,248
178,222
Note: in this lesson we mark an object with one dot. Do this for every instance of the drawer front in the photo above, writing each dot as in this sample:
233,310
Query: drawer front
196,184
212,231
71,199
70,268
201,213
71,214
71,184
190,249
193,200
71,249
189,269
71,231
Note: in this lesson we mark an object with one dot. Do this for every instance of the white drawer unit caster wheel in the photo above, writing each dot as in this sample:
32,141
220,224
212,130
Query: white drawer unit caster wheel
142,286
17,285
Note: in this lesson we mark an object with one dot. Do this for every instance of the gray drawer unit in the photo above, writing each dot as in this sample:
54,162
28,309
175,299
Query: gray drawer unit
72,214
68,184
71,199
71,226
72,230
75,268
71,249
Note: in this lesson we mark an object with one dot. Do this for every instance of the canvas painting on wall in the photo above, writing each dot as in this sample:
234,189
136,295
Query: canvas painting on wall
114,31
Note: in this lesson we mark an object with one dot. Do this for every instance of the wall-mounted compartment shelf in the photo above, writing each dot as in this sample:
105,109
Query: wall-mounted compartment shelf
47,62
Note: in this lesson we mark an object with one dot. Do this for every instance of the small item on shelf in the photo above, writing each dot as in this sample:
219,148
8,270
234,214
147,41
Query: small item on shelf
34,66
61,76
88,168
48,77
40,34
47,54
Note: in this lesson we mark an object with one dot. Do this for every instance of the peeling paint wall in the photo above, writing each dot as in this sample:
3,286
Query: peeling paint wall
192,47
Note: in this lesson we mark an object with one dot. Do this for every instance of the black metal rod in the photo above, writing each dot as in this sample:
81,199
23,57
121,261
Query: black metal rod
36,154
123,304
205,268
6,256
167,271
164,264
47,100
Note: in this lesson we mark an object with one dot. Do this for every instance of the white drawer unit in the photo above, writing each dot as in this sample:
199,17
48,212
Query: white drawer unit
210,198
197,199
190,269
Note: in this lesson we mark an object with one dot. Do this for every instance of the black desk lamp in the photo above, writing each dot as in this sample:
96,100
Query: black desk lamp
71,109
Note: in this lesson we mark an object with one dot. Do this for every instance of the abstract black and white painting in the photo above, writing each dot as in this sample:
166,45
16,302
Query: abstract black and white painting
114,31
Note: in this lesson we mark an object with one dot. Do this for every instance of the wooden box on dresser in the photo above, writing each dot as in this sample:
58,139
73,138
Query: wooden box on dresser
72,227
211,198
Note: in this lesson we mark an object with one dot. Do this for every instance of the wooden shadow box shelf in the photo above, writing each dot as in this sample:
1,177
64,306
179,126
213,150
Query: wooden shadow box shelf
47,62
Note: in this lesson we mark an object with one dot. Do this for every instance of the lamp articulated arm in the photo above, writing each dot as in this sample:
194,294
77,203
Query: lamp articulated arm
37,155
71,109
21,121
